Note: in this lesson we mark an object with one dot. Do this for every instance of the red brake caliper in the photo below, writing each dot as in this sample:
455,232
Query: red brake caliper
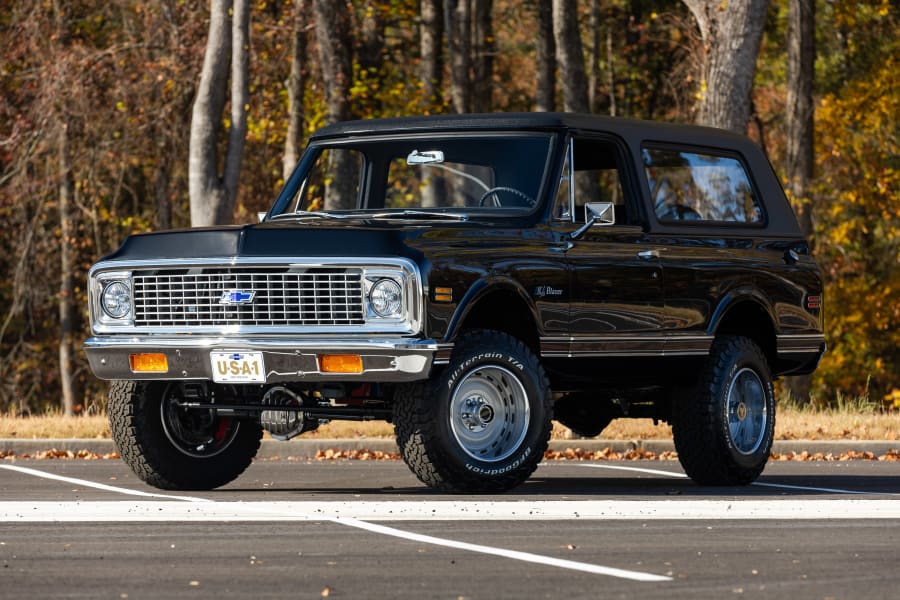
222,429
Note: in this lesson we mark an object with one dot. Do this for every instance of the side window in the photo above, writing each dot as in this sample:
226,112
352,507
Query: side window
693,186
333,182
598,178
562,209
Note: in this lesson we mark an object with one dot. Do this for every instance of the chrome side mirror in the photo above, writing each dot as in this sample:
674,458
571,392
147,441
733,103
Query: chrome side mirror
595,213
601,213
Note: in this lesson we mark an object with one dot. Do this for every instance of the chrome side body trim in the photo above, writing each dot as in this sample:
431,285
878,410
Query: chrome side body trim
625,345
661,346
800,343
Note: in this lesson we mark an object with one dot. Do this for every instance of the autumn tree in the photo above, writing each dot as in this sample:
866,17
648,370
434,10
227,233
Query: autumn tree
120,79
731,34
570,56
799,159
545,91
296,85
857,191
431,66
333,33
213,195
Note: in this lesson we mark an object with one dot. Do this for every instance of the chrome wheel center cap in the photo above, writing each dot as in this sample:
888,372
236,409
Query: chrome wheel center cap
476,413
742,411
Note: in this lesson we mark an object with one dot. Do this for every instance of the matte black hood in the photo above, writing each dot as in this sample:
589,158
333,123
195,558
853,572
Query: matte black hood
350,239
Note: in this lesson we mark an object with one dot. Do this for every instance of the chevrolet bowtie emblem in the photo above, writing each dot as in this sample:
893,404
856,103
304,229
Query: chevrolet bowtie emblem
237,297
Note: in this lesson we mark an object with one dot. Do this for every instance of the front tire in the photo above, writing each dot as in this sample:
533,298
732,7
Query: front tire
484,424
174,448
725,430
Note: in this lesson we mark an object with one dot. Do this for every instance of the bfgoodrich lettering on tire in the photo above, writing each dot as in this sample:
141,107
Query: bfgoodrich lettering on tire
175,448
724,430
483,425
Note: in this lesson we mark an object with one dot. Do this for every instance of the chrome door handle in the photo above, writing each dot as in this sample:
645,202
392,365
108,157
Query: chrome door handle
648,254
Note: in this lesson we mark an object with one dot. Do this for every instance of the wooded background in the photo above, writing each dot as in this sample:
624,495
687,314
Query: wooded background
120,116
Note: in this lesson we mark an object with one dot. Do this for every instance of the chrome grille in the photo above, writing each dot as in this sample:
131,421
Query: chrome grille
281,297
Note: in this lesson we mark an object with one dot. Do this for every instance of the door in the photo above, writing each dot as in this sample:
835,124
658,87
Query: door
616,305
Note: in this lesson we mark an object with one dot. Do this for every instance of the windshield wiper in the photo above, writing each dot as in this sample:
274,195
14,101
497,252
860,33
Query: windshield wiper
305,214
392,214
418,214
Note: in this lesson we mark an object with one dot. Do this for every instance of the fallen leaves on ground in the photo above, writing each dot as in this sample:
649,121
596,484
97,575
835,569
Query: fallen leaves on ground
638,454
890,456
608,454
53,453
332,454
573,454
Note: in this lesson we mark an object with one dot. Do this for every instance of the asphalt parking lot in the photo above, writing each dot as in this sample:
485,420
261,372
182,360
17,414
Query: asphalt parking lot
358,529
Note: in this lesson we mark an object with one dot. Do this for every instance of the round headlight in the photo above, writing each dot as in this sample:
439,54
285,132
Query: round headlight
116,299
386,298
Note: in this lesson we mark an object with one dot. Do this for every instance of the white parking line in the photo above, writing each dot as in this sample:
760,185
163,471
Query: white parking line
106,511
203,503
757,483
98,486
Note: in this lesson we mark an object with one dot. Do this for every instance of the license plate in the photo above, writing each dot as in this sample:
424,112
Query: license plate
238,367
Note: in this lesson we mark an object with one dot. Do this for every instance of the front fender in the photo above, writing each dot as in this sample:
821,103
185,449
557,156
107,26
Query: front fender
481,289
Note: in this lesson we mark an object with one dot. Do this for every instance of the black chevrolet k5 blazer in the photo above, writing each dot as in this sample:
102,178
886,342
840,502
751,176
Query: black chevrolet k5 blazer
469,278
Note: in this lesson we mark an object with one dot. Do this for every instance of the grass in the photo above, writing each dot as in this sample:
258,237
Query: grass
850,421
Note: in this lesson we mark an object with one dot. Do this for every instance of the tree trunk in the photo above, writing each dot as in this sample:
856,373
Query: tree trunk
335,43
593,70
570,56
333,36
66,284
458,23
545,96
371,53
799,160
483,56
431,73
800,109
296,85
611,72
213,196
731,34
371,42
431,69
161,191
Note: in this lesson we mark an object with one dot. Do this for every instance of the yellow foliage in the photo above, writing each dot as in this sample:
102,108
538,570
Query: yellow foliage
858,224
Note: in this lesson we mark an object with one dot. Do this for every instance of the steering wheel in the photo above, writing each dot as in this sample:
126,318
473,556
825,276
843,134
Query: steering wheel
493,191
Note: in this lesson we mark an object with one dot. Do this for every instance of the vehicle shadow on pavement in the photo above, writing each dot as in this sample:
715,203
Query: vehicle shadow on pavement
561,488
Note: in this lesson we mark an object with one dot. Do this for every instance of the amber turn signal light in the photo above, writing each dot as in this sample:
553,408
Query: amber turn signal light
340,363
443,294
148,363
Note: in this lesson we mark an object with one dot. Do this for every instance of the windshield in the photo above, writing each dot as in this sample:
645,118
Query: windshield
420,176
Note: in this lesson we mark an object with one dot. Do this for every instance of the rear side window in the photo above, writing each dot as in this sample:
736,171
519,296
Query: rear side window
704,187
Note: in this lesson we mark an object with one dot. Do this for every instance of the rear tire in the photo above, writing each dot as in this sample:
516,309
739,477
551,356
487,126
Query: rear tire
484,424
724,430
174,448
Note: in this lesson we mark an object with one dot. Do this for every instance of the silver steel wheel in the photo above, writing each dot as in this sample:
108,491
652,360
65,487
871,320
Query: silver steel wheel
489,413
196,433
746,411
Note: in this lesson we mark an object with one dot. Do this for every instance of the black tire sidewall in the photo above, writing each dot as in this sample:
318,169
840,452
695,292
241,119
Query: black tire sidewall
154,457
530,451
743,359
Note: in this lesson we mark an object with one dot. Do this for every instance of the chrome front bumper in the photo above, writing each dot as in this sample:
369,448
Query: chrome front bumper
188,357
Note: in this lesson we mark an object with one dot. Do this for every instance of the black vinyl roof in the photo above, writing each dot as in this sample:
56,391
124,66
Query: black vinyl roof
636,135
524,121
